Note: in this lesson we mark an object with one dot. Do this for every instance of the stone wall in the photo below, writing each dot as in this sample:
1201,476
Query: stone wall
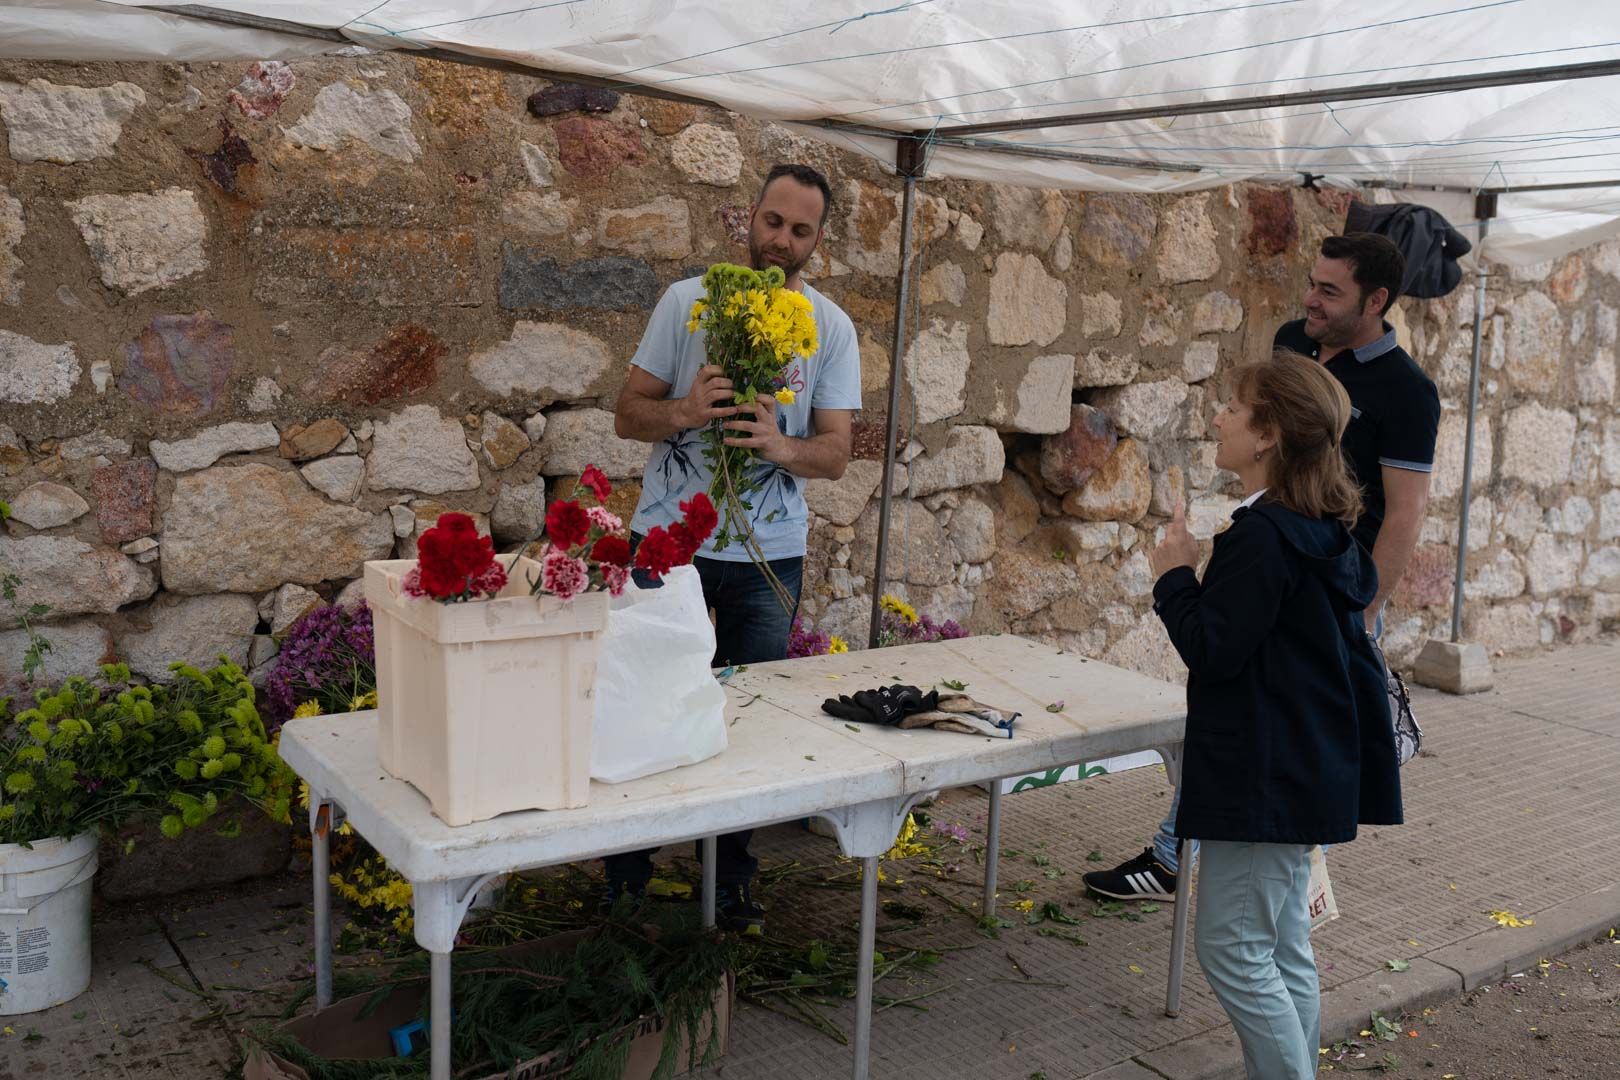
261,322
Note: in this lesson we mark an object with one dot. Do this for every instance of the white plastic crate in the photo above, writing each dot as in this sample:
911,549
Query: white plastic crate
485,707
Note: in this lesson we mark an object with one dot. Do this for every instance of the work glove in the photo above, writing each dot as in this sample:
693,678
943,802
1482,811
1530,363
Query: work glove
958,712
886,705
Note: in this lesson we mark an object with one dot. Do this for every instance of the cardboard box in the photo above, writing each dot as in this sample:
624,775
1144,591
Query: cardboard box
1122,763
340,1031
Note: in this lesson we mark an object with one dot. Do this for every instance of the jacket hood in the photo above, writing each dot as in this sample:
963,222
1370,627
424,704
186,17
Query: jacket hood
1328,550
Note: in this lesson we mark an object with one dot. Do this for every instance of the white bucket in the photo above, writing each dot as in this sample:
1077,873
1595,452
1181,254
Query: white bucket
45,922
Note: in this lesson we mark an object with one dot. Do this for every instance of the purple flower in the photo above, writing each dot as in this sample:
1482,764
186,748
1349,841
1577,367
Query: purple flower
328,655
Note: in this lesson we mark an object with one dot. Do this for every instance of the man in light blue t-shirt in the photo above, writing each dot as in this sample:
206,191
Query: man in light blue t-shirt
671,394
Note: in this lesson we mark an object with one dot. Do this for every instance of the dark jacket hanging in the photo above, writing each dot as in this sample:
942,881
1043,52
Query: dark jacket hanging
1288,730
1426,240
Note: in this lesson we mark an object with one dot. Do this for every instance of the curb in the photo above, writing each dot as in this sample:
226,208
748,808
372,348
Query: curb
1442,975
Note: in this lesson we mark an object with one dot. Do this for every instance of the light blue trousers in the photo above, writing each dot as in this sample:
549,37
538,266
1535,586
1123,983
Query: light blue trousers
1254,944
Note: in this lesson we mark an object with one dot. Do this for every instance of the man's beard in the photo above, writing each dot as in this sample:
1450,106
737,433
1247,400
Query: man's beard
1333,332
756,259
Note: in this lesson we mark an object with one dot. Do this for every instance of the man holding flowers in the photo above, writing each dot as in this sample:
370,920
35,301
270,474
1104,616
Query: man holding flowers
799,432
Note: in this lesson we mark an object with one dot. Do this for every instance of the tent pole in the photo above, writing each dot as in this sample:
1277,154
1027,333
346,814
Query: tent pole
909,163
1484,210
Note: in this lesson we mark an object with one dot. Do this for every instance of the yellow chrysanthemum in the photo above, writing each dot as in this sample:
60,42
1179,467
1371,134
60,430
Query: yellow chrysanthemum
893,603
785,396
308,708
836,644
363,701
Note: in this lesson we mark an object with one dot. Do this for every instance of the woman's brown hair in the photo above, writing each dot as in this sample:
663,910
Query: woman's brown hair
1295,400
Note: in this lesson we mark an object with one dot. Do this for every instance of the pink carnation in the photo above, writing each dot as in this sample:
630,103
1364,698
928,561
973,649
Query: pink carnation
616,577
562,575
413,582
602,518
491,581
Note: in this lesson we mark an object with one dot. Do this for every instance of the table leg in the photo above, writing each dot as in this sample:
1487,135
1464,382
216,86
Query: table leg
992,850
710,856
863,977
320,870
1178,931
439,1016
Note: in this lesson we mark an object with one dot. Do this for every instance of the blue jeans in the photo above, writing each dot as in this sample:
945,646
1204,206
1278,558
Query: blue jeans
750,627
1164,841
1254,944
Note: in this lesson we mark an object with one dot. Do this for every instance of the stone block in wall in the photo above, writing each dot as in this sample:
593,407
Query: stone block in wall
1068,459
142,242
972,531
532,281
919,552
1143,410
1017,509
1105,367
576,438
1146,649
971,455
943,284
1209,514
1449,451
1610,461
1273,224
841,501
1039,404
1594,381
1216,312
591,148
403,362
1027,305
520,510
1508,627
251,528
660,229
1500,579
1553,564
338,478
72,577
1537,445
125,493
872,225
11,233
304,442
66,124
1161,322
46,505
77,648
1101,315
1428,580
1026,217
1027,582
1602,570
420,449
33,373
1119,490
180,364
543,361
1535,340
707,154
502,441
1609,516
1187,250
189,629
937,370
562,98
342,116
1200,360
374,266
210,444
666,117
1567,283
1115,230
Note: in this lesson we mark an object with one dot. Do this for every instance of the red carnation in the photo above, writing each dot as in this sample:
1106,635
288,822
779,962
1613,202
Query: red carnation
659,552
597,482
686,542
567,524
451,554
700,515
612,550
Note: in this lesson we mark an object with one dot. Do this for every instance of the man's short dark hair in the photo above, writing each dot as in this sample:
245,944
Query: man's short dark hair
805,175
1375,263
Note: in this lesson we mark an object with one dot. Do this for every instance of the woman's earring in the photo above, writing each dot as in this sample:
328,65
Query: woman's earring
1258,454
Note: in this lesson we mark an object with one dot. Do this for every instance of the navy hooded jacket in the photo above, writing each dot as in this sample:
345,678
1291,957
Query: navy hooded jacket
1288,729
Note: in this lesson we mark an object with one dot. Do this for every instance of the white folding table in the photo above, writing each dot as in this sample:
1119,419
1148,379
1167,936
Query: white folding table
785,760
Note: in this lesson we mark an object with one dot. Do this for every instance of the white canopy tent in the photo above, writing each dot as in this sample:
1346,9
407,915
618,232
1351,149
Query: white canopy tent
1437,101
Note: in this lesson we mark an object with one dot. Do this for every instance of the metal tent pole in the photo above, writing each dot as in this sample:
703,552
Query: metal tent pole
909,163
1484,210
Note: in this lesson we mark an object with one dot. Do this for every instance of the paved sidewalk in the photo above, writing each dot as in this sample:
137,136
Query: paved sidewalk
1513,806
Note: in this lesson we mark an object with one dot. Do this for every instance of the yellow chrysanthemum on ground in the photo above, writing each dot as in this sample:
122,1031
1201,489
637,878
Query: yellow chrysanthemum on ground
785,396
893,603
836,644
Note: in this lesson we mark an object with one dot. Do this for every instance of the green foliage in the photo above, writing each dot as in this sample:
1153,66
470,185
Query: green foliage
95,754
38,644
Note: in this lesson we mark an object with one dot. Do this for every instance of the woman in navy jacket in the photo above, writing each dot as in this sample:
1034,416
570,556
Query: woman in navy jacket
1289,742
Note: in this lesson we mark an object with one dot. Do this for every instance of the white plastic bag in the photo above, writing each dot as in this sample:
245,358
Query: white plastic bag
1319,901
657,704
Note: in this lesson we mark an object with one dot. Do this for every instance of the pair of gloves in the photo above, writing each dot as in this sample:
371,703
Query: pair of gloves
908,707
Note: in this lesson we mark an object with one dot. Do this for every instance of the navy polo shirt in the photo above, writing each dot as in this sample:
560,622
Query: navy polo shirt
1394,414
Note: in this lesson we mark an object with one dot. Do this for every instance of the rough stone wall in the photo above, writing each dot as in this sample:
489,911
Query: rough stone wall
261,322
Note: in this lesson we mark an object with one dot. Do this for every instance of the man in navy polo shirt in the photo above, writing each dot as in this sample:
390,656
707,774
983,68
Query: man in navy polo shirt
1389,445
